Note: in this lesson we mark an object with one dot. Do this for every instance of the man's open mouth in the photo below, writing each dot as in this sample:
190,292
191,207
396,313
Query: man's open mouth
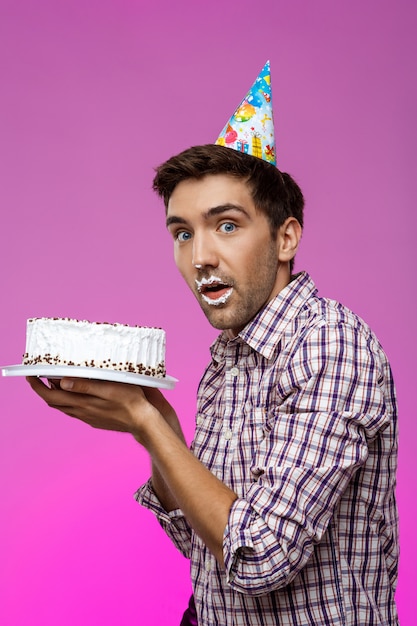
214,290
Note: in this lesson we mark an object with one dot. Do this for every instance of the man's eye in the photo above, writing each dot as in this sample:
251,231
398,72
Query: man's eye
228,227
182,236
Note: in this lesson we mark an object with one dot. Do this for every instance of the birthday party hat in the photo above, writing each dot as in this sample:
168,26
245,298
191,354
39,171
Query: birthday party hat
251,127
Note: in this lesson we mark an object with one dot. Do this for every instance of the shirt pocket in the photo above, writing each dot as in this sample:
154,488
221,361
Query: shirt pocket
206,437
250,433
264,443
252,428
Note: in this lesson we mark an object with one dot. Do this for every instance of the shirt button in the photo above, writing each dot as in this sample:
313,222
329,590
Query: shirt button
234,371
208,566
228,434
200,420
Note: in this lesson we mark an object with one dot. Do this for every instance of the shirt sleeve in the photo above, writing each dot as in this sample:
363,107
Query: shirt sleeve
316,439
173,522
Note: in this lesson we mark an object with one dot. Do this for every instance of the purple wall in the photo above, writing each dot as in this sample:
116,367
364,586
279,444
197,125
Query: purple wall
94,94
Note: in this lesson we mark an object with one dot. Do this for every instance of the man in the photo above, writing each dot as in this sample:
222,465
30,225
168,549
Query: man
285,504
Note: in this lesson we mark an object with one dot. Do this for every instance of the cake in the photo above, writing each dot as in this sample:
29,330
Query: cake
65,341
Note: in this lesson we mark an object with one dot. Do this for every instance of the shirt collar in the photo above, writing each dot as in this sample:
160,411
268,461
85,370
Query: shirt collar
264,331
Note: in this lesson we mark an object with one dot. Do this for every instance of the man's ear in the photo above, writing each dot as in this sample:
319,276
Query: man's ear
288,238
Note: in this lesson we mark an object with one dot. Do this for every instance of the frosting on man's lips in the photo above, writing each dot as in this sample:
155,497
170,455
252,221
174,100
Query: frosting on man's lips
214,290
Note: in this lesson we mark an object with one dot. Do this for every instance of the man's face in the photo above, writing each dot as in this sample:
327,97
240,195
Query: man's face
224,249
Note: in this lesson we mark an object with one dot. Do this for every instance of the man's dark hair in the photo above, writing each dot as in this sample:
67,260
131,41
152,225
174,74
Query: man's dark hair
274,193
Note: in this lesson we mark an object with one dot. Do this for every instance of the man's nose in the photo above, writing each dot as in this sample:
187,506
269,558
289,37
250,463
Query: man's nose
204,252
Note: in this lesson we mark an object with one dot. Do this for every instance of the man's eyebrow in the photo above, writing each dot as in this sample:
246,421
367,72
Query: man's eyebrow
223,208
216,210
173,219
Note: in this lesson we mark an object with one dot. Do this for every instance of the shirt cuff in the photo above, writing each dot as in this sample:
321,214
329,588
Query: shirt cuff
237,536
173,522
147,498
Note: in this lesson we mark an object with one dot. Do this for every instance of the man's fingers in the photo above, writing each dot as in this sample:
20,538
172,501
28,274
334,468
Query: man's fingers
83,386
78,405
53,396
103,389
38,386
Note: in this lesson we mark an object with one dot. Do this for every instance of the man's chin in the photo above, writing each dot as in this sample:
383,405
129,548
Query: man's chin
221,319
216,316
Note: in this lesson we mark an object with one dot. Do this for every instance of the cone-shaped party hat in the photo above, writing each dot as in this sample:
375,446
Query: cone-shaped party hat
251,127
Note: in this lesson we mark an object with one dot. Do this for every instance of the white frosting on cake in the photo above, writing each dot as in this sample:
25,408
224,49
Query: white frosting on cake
64,341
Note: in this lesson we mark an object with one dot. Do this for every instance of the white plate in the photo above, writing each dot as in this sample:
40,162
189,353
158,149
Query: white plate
59,371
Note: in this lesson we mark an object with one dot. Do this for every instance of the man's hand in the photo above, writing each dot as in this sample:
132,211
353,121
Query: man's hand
106,405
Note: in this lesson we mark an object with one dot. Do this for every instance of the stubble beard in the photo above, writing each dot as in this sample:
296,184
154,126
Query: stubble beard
247,300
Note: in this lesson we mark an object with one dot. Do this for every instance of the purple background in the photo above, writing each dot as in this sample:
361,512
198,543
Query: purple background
94,94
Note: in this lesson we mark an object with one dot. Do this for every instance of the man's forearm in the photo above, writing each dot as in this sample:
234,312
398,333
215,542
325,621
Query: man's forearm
181,481
159,485
162,491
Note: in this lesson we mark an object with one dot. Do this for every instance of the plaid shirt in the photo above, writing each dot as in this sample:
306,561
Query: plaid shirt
298,416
